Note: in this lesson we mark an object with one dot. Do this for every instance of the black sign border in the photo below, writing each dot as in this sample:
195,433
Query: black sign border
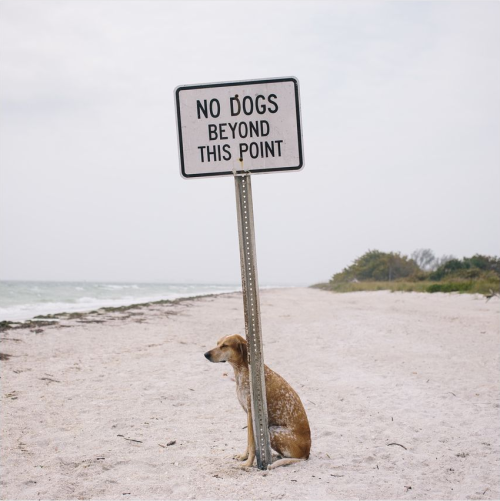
235,84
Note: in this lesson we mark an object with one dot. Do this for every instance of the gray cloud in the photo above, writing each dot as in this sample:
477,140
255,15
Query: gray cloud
400,108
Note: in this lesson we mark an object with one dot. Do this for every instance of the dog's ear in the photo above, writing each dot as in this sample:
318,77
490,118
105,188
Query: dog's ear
243,350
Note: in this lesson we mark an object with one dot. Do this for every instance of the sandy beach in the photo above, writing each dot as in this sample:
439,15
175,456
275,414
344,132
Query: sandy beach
401,391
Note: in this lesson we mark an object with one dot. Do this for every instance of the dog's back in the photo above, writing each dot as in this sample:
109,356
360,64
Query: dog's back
287,418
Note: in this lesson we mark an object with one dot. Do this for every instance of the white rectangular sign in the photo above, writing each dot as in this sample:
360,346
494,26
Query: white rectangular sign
251,126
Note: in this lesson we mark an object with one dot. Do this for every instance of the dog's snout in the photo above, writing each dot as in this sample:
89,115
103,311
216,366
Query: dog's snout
207,355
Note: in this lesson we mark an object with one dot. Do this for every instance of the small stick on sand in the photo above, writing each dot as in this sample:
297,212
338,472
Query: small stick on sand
130,439
172,442
394,443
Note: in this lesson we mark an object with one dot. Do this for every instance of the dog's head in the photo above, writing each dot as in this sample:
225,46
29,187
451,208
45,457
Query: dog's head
232,349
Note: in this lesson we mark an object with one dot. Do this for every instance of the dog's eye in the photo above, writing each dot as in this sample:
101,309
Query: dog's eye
224,346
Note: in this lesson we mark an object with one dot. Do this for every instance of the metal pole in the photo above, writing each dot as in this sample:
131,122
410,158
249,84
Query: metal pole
248,259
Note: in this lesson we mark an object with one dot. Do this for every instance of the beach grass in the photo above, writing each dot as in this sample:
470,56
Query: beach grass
485,287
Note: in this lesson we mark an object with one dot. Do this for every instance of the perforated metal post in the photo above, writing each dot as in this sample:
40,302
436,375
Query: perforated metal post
251,304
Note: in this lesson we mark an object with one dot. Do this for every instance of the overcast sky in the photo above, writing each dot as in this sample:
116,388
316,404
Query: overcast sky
401,127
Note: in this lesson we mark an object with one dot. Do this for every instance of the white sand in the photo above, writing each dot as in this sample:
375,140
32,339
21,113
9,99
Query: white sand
372,369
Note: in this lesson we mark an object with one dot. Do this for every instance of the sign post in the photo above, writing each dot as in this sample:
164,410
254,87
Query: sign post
236,129
251,305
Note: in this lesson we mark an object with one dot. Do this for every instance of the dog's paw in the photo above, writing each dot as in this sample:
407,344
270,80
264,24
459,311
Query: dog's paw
247,464
241,457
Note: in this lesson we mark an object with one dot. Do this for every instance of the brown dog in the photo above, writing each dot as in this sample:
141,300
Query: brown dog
288,425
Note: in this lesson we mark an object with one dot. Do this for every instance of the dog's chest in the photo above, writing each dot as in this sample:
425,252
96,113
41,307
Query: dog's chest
243,389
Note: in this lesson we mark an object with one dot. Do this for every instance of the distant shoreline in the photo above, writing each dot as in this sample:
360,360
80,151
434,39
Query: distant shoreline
92,316
54,318
22,301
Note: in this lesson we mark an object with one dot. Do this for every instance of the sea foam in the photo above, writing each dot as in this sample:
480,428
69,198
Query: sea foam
24,300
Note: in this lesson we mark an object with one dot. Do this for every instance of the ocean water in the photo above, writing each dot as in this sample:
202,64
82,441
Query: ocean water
25,300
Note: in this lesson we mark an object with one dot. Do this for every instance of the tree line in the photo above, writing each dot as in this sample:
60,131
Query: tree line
478,273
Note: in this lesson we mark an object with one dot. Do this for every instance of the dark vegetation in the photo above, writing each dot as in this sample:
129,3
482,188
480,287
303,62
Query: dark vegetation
85,316
421,272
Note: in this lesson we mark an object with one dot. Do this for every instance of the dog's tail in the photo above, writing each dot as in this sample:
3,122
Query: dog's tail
283,462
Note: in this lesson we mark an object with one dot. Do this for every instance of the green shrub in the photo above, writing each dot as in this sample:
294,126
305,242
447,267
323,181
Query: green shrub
377,270
468,267
377,266
450,287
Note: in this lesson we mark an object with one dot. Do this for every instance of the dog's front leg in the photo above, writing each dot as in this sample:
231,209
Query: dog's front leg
244,456
251,439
